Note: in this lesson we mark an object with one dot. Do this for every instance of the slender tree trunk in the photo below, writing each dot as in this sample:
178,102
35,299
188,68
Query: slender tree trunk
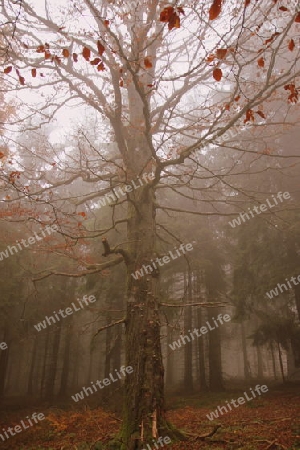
44,367
51,373
297,299
188,348
281,362
4,354
66,364
273,360
260,372
247,374
32,368
215,355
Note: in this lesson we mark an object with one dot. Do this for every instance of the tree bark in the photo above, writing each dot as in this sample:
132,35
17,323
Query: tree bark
215,355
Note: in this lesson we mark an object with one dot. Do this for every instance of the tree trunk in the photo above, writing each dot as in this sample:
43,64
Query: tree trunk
51,374
144,405
66,364
281,362
3,366
32,367
215,355
260,371
188,349
247,373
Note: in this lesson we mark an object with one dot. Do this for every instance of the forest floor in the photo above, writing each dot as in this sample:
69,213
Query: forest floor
269,422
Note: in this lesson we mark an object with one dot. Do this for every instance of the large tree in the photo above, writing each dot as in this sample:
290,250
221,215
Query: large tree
166,80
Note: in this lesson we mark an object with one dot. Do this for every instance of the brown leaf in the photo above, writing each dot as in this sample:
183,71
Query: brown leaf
166,14
283,8
236,99
261,114
106,22
215,9
217,74
22,81
174,21
7,69
66,53
86,53
47,54
75,57
121,83
221,53
2,155
147,63
100,67
40,49
210,58
101,48
291,45
247,3
297,19
95,62
249,116
261,62
33,72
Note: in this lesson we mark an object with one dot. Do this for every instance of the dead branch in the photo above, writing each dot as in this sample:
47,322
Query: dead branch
81,274
109,326
183,305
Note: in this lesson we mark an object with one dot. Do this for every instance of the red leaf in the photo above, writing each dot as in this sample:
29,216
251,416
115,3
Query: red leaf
221,53
40,49
166,14
83,214
121,83
100,67
106,22
291,45
148,64
174,21
210,58
261,62
33,72
247,3
75,57
298,17
283,8
101,48
95,62
217,74
261,114
237,98
249,116
66,53
22,81
86,53
7,69
47,54
215,9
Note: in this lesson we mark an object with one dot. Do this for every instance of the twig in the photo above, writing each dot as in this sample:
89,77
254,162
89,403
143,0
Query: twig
109,325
